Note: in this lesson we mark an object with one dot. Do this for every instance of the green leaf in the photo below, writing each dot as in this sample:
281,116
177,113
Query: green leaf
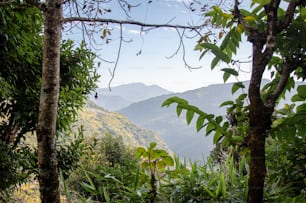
179,110
200,122
237,86
227,103
88,187
230,71
262,2
152,145
302,91
301,108
139,152
217,9
216,51
218,135
241,97
189,116
209,128
226,40
223,185
237,138
169,161
210,193
226,76
214,62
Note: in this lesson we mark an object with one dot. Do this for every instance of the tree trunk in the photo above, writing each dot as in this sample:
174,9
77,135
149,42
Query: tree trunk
259,123
46,128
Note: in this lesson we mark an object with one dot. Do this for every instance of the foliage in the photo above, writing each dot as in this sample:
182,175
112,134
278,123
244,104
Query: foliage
156,161
154,181
20,59
20,75
108,170
78,79
70,149
272,31
236,120
114,150
15,168
288,143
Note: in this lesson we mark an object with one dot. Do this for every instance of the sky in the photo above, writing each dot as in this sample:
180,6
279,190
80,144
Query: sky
145,57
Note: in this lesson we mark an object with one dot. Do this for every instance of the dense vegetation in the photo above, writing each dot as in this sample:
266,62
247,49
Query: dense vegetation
106,170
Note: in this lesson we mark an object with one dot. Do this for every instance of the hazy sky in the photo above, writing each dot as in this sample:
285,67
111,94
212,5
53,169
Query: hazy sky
152,66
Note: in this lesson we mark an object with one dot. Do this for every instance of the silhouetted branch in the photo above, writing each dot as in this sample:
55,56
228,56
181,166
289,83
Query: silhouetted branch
112,72
130,22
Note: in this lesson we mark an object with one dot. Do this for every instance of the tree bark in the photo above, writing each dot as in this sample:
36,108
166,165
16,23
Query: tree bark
46,127
257,129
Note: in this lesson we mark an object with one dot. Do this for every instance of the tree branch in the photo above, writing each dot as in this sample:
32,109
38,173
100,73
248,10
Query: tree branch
271,11
130,22
289,15
112,73
7,2
182,46
285,74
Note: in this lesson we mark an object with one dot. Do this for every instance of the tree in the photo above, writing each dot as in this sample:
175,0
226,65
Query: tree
21,59
278,46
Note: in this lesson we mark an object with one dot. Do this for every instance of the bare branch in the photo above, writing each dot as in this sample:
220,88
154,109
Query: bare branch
182,46
123,3
130,22
112,72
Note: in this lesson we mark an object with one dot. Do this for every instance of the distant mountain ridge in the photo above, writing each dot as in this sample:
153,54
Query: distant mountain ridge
183,139
122,96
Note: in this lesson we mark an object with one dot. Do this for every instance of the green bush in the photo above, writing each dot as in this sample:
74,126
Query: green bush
108,172
15,168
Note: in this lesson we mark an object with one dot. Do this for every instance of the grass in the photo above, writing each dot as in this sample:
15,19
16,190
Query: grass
29,193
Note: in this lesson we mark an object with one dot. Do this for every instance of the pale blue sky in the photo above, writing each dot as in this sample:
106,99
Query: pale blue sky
152,65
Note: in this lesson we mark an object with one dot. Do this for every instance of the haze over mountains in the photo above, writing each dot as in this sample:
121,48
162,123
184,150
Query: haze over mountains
124,95
143,108
141,104
180,137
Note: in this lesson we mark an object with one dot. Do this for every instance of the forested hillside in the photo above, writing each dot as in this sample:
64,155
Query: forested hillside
97,122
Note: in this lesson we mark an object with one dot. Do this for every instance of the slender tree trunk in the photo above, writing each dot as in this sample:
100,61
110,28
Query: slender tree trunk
260,122
46,128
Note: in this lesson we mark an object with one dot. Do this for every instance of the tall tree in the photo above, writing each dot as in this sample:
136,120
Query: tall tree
48,105
277,45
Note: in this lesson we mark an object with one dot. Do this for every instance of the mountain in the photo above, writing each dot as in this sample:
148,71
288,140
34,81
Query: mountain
97,121
181,138
124,95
